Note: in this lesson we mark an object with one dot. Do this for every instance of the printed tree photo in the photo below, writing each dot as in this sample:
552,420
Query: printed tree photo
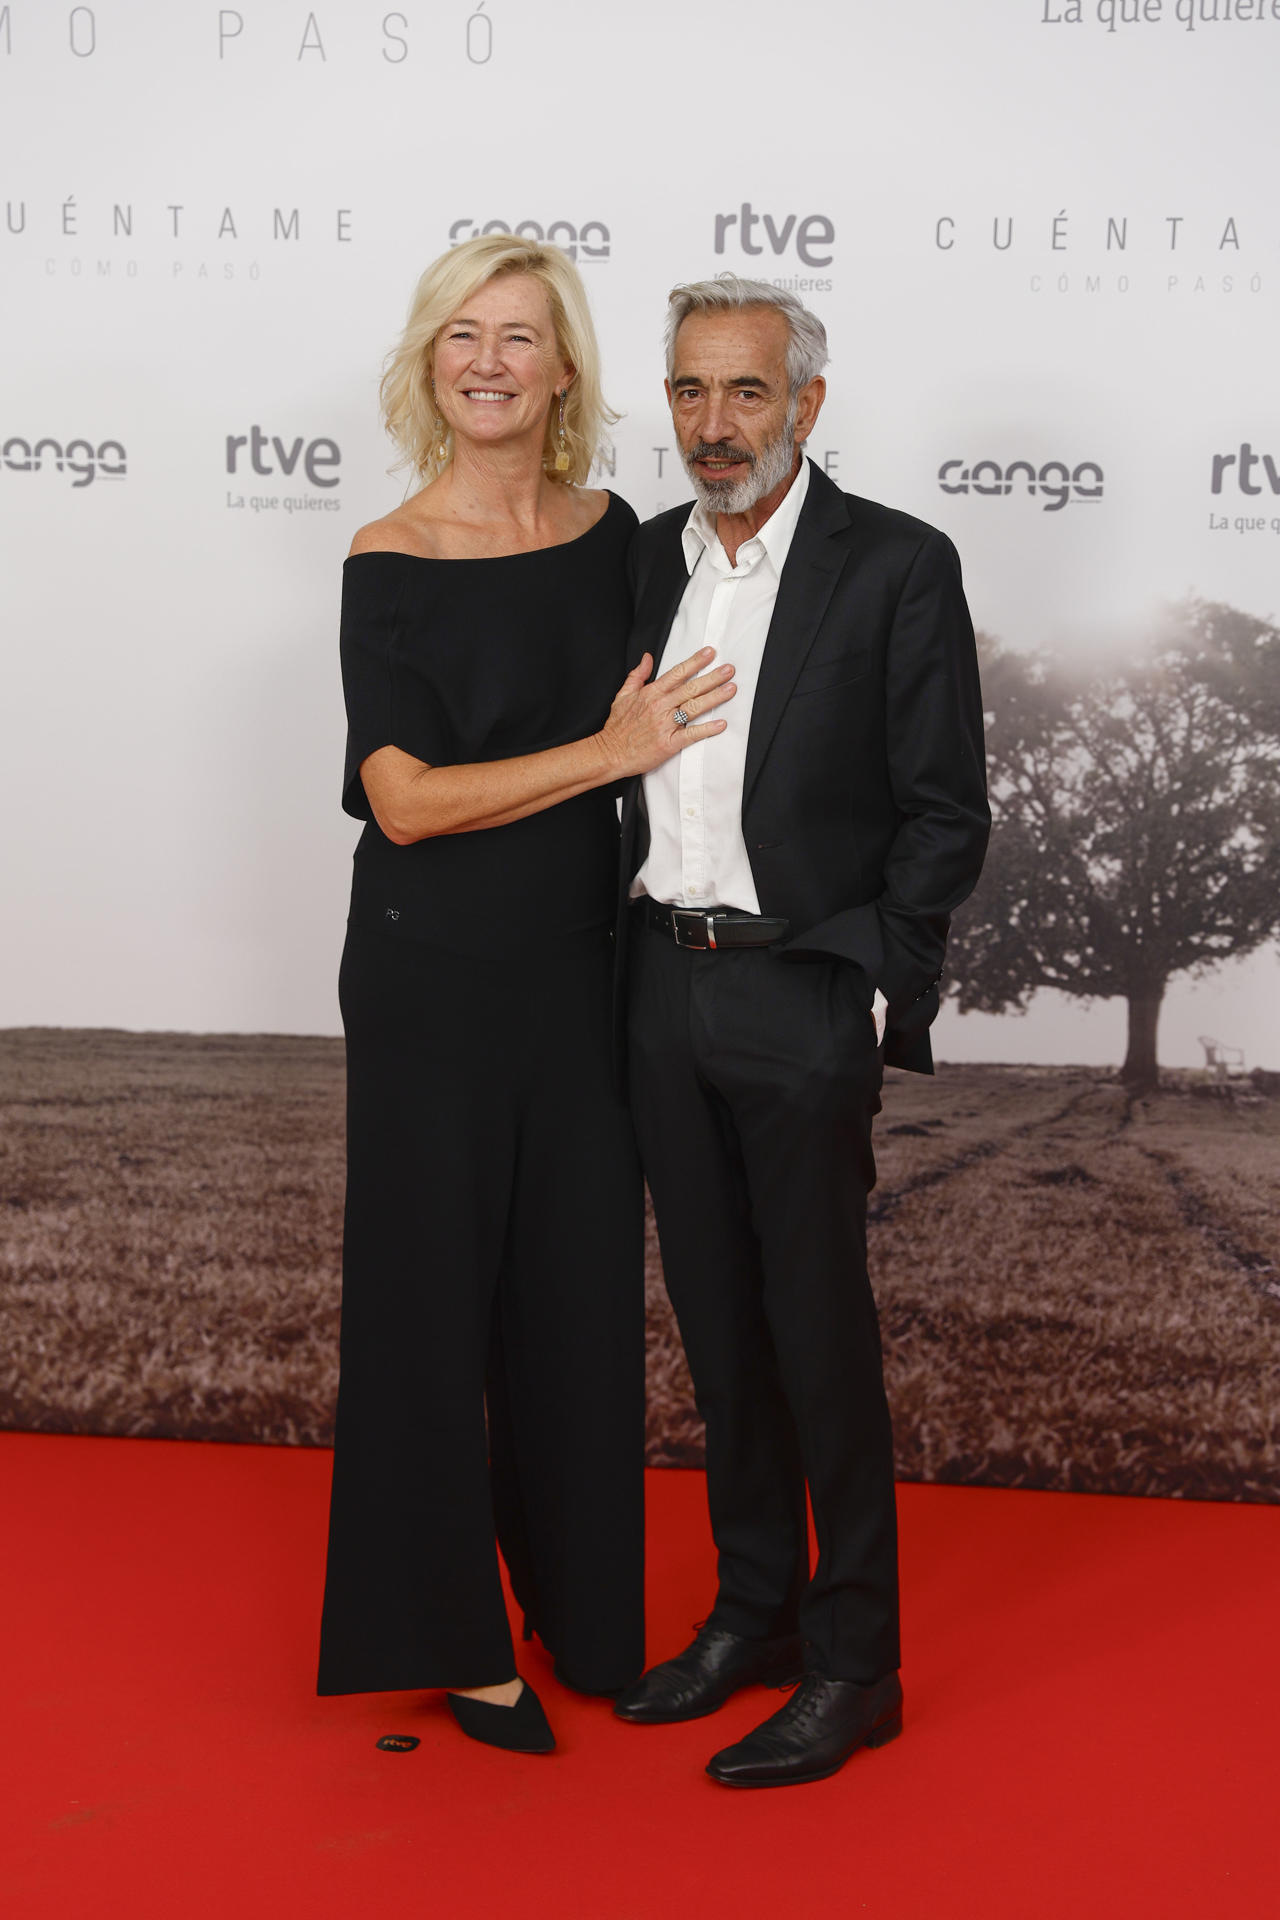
1136,822
1078,1274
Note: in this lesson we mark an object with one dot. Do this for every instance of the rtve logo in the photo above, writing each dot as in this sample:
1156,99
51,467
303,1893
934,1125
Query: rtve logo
591,241
107,461
314,454
1059,483
807,234
1245,462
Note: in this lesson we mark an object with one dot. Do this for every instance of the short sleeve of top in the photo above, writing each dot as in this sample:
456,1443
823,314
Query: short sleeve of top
381,712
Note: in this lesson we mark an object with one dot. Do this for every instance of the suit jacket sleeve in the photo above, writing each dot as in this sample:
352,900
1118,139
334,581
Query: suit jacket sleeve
936,766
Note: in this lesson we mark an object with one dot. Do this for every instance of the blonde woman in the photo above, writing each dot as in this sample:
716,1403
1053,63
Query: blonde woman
492,1338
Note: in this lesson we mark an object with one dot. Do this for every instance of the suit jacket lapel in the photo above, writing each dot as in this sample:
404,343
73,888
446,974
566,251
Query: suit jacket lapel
659,600
809,575
660,597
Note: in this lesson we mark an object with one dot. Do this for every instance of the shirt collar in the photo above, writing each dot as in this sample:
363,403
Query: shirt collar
699,534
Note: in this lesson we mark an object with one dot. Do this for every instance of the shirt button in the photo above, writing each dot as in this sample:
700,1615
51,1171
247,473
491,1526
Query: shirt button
695,889
692,812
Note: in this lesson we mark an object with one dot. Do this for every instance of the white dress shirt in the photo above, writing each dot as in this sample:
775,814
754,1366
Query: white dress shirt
697,855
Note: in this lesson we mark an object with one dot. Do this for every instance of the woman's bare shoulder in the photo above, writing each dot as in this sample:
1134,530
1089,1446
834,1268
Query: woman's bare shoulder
583,507
401,531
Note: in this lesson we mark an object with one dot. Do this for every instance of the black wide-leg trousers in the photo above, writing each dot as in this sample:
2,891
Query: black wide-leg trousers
754,1082
493,1249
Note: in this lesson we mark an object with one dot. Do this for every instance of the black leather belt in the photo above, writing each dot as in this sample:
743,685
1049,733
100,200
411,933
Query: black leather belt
706,932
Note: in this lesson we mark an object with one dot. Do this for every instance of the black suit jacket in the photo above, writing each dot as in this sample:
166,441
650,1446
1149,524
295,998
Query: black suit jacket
864,804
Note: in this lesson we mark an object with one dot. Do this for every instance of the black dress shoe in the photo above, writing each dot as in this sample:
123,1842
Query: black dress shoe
822,1723
522,1728
706,1674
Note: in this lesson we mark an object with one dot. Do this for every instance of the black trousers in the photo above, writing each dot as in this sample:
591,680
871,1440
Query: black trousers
493,1249
754,1083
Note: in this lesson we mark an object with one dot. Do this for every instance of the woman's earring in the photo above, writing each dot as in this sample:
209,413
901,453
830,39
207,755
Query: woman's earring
442,451
562,448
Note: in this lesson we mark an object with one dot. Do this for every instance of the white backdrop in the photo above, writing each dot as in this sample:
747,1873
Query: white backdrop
1036,230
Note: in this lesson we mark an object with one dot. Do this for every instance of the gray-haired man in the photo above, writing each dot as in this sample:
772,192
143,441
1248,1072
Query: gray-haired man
788,890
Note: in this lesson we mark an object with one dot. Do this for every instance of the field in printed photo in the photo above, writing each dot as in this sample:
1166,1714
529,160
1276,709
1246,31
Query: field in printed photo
1079,1288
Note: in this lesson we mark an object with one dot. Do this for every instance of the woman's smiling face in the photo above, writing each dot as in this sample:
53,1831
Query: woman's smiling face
497,366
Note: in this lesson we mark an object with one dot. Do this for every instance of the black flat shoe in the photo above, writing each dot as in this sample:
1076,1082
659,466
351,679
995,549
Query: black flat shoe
522,1728
708,1673
822,1724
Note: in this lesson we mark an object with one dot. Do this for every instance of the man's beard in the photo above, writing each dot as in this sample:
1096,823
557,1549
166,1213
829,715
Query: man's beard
769,468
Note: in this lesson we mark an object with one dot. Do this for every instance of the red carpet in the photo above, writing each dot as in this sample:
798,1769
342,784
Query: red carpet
1093,1699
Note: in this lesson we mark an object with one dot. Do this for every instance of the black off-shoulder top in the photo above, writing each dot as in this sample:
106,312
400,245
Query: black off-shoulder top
458,661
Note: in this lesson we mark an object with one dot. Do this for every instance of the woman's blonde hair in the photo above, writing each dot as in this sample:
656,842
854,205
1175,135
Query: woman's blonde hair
409,411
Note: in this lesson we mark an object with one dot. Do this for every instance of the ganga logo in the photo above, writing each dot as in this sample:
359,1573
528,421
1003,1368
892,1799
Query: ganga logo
591,241
1059,483
106,461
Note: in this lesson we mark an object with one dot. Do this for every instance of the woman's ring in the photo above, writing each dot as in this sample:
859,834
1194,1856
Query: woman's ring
680,717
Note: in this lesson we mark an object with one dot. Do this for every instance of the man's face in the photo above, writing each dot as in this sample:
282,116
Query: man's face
737,422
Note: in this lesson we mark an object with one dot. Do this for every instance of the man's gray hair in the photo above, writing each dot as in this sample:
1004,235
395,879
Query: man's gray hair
807,337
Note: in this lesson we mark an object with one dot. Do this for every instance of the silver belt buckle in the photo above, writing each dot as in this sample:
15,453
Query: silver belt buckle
684,921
